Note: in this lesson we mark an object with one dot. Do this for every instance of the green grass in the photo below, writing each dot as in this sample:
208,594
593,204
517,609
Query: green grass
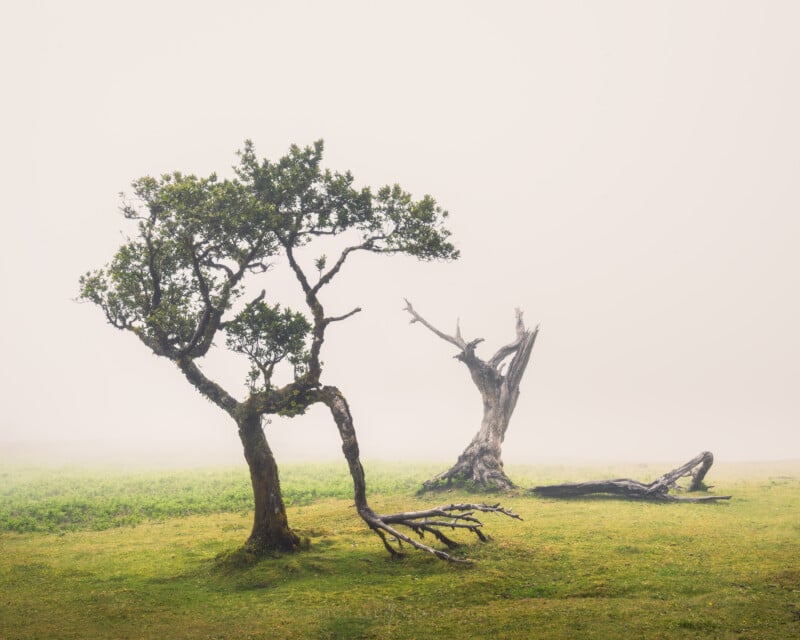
590,568
68,499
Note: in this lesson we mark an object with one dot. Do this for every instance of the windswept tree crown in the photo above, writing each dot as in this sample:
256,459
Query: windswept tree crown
175,284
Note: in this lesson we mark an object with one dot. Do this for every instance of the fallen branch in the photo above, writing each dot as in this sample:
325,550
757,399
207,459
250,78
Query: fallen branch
658,490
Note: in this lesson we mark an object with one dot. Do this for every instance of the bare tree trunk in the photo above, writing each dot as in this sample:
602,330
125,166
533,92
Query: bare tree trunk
270,524
629,489
481,463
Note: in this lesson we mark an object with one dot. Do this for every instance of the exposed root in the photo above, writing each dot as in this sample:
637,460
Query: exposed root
432,521
470,473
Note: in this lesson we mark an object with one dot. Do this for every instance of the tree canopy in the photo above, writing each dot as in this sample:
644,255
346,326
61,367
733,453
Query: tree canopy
176,283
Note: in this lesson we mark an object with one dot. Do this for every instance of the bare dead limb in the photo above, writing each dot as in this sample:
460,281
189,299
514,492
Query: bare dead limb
456,340
658,490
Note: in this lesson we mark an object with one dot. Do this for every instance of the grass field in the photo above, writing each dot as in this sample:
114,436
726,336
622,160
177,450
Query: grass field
92,554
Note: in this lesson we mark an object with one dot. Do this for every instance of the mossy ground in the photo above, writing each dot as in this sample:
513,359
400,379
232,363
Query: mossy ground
589,568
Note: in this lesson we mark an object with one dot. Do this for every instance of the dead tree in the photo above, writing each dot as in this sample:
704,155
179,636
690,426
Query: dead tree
481,463
625,488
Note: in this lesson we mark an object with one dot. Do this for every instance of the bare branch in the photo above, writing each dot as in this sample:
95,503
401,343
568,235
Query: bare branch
367,245
456,340
258,298
457,511
503,352
460,517
298,271
206,386
343,317
222,267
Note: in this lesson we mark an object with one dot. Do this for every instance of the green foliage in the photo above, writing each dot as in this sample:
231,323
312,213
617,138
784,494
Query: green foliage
267,336
310,201
177,281
196,240
320,263
594,568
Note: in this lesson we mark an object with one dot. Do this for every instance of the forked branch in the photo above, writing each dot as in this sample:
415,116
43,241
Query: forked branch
456,340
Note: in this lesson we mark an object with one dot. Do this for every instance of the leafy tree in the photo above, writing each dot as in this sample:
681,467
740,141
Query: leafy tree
180,283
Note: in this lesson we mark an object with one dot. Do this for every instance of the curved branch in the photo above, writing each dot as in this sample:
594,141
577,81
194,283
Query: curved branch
325,279
317,312
298,272
211,320
458,516
207,387
330,319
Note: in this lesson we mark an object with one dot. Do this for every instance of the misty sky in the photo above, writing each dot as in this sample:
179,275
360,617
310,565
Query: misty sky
625,172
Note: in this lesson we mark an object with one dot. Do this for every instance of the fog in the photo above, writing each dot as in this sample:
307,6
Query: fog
624,172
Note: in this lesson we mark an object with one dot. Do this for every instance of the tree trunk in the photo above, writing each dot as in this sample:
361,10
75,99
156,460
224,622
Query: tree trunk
270,525
626,488
481,463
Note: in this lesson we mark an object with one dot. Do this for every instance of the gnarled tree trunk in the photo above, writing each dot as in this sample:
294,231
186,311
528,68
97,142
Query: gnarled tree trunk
481,463
626,488
270,524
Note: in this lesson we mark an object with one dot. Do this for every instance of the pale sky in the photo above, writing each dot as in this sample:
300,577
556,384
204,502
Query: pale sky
625,172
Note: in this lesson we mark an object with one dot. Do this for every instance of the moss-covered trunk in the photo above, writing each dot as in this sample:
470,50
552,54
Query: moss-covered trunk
270,525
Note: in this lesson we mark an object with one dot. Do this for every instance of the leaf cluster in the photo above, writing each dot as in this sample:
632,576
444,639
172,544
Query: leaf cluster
268,335
309,202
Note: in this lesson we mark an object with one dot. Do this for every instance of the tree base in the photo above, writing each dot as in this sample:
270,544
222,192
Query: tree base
475,474
289,542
